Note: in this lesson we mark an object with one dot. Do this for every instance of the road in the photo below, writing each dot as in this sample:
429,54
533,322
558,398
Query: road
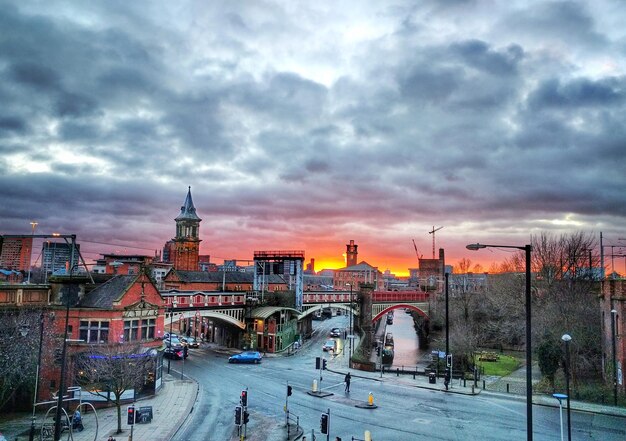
403,413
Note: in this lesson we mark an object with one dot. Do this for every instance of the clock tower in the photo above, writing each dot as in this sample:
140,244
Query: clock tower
351,253
187,240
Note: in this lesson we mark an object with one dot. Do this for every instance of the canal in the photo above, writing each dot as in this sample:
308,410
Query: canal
406,344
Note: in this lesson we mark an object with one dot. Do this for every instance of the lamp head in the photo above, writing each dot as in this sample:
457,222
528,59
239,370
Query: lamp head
566,338
475,246
613,311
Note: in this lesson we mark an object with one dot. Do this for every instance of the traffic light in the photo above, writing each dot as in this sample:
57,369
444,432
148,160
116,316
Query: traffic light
131,415
246,417
244,398
324,424
318,362
238,410
449,360
378,351
288,390
324,364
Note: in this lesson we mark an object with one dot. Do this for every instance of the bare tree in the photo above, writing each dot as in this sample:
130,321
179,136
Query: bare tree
111,370
19,348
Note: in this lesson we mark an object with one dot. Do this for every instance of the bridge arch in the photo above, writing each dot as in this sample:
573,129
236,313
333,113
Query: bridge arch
233,316
399,306
314,308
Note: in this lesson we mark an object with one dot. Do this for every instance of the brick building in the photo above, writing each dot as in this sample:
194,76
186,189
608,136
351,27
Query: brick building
15,253
613,298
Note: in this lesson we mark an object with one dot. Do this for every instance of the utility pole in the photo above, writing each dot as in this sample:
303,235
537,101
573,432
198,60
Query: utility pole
433,233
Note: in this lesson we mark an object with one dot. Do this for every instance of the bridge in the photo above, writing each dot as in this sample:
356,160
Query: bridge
232,307
382,302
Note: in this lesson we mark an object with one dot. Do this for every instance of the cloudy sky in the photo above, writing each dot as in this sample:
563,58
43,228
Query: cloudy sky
303,125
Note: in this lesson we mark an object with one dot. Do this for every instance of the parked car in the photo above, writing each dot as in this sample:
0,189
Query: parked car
191,342
335,332
330,345
166,336
246,357
175,352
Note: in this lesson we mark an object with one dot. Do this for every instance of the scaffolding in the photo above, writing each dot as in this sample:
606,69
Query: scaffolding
284,264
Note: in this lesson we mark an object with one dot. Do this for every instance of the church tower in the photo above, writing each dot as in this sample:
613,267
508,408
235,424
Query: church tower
351,254
187,240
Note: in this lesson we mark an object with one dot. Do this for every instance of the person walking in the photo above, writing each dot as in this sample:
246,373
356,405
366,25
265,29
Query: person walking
347,381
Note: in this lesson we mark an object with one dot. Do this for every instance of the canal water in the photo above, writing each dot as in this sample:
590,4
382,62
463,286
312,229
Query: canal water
406,344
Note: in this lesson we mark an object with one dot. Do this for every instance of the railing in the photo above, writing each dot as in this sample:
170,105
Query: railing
377,296
291,419
400,296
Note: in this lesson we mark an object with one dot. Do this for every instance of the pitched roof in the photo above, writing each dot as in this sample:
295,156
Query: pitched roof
109,292
219,277
188,211
361,266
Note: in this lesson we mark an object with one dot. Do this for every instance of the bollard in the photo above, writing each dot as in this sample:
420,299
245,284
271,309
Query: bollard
314,385
397,372
367,435
370,399
483,384
507,388
472,389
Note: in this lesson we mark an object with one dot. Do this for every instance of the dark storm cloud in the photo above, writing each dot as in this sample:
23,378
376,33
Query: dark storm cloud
579,93
12,124
377,120
479,55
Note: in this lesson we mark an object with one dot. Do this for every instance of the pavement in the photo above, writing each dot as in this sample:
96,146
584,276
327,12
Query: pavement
174,402
170,407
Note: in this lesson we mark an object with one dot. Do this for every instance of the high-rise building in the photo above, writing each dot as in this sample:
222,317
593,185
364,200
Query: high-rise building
58,255
187,240
15,253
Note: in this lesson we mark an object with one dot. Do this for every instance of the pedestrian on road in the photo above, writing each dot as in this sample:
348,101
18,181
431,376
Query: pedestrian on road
347,381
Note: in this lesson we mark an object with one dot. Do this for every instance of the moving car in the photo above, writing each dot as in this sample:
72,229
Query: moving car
175,352
335,332
191,342
246,357
330,345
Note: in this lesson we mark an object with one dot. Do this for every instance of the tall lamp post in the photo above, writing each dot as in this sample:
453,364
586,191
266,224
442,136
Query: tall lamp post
57,417
169,359
529,385
33,224
350,336
567,338
31,435
613,336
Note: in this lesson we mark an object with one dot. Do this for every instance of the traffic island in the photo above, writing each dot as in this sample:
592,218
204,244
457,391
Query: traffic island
365,405
319,393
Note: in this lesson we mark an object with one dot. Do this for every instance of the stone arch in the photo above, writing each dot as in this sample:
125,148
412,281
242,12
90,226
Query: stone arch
399,306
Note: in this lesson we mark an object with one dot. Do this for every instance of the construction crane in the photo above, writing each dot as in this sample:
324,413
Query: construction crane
433,233
416,252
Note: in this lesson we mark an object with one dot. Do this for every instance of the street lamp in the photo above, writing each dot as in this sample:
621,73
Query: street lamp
529,385
613,319
33,224
351,334
24,331
57,418
169,359
567,338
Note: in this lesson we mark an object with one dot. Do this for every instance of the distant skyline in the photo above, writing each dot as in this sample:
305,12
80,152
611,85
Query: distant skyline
305,125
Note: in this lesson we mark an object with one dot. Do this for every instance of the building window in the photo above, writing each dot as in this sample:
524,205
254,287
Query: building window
131,330
94,331
147,329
